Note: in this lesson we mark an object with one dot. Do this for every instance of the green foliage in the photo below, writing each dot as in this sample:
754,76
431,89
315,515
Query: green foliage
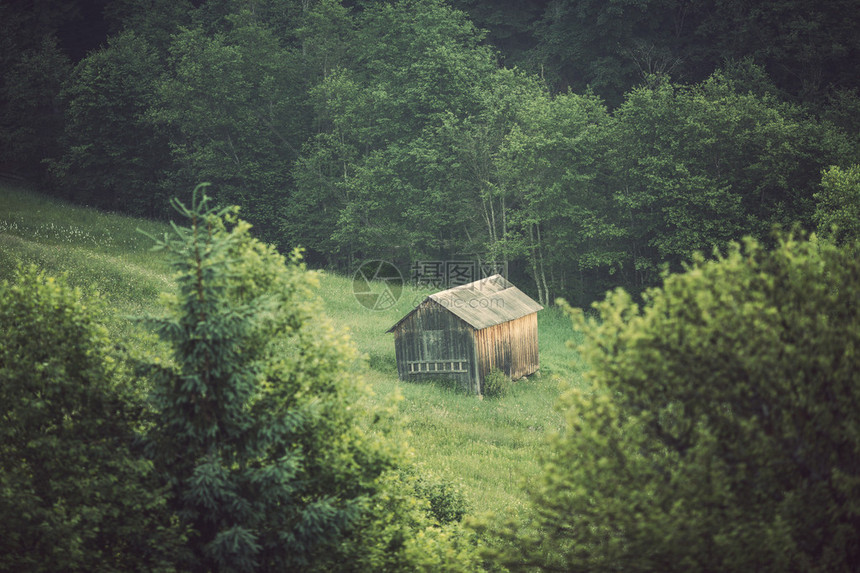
843,113
32,72
380,167
412,524
696,167
496,384
230,104
447,503
75,495
263,426
392,130
155,20
719,429
558,218
837,204
114,157
807,47
583,43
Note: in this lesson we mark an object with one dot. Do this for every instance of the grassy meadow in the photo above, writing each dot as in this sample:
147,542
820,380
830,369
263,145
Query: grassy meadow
489,447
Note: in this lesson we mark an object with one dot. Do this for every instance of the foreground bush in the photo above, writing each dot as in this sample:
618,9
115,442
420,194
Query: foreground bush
74,493
719,428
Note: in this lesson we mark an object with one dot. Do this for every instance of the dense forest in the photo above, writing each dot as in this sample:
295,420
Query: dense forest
582,144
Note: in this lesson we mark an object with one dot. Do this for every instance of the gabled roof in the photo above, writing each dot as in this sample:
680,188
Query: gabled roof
483,303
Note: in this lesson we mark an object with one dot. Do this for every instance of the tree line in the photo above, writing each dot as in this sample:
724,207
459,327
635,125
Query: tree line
585,145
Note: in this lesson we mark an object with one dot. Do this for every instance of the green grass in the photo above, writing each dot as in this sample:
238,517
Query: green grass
490,447
94,248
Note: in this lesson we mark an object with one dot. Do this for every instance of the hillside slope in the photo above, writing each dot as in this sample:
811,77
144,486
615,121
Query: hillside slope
489,447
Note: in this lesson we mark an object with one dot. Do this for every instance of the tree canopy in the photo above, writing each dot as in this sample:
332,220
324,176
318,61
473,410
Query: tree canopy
583,145
717,431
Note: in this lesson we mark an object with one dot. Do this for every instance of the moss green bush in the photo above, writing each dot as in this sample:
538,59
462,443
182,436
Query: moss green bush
497,384
75,492
720,428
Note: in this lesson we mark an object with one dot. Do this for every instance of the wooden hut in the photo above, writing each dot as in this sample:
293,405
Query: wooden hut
465,332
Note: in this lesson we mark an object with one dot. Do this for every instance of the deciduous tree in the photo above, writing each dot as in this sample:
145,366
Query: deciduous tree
76,494
230,105
837,204
716,430
381,167
114,157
